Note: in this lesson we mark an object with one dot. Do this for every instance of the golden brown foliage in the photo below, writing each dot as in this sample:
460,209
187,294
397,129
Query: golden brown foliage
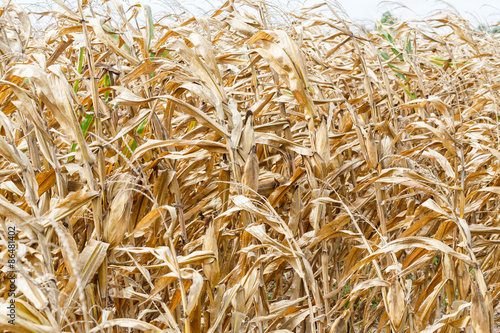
233,174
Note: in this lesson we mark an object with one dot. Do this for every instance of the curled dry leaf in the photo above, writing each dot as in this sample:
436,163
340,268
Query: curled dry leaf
248,171
479,313
396,302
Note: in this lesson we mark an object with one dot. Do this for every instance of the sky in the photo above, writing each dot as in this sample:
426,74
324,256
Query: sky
478,11
475,11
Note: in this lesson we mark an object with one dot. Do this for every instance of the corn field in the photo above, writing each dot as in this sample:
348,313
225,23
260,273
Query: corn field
248,171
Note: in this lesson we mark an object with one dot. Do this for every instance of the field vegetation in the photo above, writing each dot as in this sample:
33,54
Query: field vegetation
248,171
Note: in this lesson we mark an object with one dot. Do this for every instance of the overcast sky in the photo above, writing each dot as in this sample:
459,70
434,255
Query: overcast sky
370,10
482,10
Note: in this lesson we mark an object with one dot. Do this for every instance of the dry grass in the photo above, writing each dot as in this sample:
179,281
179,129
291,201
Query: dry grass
231,174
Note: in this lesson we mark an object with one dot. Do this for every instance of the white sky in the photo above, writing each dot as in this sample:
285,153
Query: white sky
369,10
480,10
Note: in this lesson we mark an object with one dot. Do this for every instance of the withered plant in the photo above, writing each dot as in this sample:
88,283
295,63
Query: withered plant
242,172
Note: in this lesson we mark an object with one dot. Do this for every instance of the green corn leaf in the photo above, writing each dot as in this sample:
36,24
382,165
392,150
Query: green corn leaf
140,128
408,46
80,66
85,125
149,24
383,54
